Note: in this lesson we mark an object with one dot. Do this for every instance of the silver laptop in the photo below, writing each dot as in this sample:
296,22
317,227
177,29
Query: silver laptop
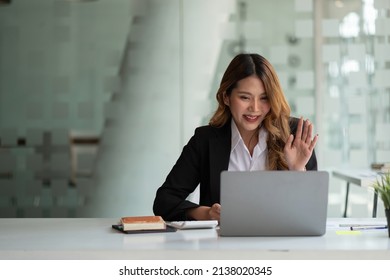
274,203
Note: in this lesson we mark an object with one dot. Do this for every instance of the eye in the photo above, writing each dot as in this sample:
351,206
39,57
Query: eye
264,98
244,97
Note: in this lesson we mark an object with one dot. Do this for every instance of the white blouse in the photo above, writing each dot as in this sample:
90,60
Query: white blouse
240,158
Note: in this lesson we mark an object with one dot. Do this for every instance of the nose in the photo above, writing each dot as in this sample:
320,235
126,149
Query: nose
255,105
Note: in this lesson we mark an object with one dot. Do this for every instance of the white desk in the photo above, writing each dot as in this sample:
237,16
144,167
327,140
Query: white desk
361,178
94,239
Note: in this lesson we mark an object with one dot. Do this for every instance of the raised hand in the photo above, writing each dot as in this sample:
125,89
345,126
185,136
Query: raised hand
299,149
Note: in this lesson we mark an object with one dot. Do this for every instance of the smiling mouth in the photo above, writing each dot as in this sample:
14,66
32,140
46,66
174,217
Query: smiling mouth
251,118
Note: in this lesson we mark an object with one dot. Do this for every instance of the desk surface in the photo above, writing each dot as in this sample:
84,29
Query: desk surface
95,239
359,177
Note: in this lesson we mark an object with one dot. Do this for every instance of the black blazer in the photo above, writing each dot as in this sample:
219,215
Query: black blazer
201,162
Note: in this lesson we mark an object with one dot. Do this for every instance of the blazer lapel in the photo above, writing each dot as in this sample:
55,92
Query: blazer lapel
219,146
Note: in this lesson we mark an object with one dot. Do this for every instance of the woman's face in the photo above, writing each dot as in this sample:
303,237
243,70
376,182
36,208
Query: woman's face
248,104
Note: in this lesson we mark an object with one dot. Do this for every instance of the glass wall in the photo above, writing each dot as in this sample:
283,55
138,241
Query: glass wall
97,98
354,71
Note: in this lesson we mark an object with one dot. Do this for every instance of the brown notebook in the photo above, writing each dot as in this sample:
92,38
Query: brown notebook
167,229
143,223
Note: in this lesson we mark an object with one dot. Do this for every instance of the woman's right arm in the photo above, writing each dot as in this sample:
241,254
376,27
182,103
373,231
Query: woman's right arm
171,198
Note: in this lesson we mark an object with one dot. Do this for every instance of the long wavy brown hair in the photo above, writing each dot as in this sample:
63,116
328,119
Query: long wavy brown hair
277,120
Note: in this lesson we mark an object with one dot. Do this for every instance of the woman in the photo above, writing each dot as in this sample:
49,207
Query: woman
250,130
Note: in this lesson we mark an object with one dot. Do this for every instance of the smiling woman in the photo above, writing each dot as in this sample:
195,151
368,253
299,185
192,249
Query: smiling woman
248,105
250,130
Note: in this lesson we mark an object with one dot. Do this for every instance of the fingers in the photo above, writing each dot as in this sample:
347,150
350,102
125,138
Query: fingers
309,131
304,131
217,208
298,133
313,142
289,141
215,211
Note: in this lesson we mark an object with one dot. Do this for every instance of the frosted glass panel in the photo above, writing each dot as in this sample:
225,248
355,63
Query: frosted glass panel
304,28
228,30
382,52
357,80
356,105
381,78
382,26
305,80
279,54
382,4
283,79
356,51
303,5
358,158
383,132
305,106
253,30
330,53
355,133
330,28
382,155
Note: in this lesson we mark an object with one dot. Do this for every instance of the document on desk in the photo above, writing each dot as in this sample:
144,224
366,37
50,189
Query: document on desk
193,224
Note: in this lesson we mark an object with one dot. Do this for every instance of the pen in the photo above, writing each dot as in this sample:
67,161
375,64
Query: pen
362,225
367,227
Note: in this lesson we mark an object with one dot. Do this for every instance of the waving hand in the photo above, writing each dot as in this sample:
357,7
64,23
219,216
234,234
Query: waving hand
299,149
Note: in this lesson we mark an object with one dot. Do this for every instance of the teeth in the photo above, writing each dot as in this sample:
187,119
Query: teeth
252,117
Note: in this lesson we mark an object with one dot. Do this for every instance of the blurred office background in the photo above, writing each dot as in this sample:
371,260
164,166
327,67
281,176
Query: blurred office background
98,97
